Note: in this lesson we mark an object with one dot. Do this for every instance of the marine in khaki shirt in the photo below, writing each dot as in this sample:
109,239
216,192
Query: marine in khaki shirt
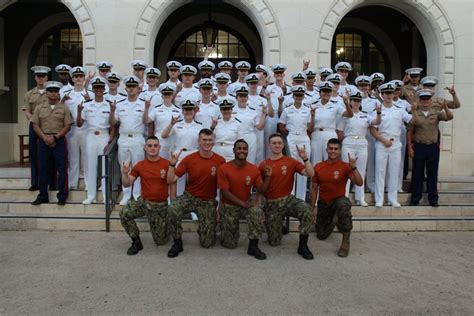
430,82
51,122
423,145
51,119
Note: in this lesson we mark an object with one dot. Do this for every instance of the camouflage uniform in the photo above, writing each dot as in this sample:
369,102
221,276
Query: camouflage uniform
275,211
230,215
338,212
206,212
157,214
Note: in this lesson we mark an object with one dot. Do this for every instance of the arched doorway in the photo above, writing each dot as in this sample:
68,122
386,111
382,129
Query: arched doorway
60,45
378,38
180,36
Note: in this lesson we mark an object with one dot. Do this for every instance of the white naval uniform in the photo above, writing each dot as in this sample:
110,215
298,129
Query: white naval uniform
207,112
296,121
161,116
325,121
186,138
187,94
226,133
76,139
369,105
96,114
311,97
249,117
131,141
355,142
154,95
387,160
67,87
342,89
257,102
118,97
271,123
404,105
234,86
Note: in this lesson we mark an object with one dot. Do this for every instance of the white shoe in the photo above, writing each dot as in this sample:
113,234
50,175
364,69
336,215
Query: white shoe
363,203
88,201
378,205
400,190
194,216
123,202
396,204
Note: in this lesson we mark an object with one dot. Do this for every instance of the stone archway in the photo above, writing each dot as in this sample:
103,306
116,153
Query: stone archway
434,26
427,16
155,13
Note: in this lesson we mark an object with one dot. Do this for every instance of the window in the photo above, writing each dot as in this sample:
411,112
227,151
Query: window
361,51
63,45
227,46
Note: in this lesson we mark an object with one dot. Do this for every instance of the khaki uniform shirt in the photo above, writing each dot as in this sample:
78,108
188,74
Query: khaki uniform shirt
438,104
33,98
425,128
52,121
406,88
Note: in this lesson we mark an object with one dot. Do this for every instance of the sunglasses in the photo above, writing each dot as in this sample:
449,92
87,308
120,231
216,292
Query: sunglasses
414,76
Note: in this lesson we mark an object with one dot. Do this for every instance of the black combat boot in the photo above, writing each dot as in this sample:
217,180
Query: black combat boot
176,248
303,249
285,229
135,247
253,250
345,245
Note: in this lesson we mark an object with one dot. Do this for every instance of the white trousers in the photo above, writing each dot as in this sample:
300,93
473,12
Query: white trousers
370,175
226,151
261,144
271,124
300,184
95,148
387,163
403,140
131,149
319,142
357,148
77,155
251,139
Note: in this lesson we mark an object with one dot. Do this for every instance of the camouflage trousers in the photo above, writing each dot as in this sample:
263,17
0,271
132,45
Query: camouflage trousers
157,214
230,215
206,212
338,212
275,212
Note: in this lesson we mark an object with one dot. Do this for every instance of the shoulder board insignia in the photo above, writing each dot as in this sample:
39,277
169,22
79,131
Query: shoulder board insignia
122,94
121,100
157,106
90,100
251,108
306,93
398,107
364,112
238,120
176,107
232,95
68,90
333,101
306,105
110,102
180,120
141,99
197,122
214,102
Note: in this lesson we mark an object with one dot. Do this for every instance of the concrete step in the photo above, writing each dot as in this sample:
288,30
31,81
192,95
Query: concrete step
97,223
16,195
24,183
76,196
98,209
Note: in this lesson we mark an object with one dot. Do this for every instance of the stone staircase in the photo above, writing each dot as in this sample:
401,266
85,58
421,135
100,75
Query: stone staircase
456,211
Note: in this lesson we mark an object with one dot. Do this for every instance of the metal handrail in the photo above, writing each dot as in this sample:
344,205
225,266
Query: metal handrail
108,168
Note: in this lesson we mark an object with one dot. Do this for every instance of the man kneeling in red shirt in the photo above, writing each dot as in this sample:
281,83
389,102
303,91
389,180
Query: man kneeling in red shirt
334,208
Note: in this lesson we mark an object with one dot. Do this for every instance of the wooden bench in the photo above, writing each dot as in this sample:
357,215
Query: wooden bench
23,147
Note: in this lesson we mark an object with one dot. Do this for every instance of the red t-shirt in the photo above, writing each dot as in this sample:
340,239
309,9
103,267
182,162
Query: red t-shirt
332,179
202,174
283,176
238,180
153,179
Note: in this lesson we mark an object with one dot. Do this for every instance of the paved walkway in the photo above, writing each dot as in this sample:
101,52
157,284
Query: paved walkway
386,273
